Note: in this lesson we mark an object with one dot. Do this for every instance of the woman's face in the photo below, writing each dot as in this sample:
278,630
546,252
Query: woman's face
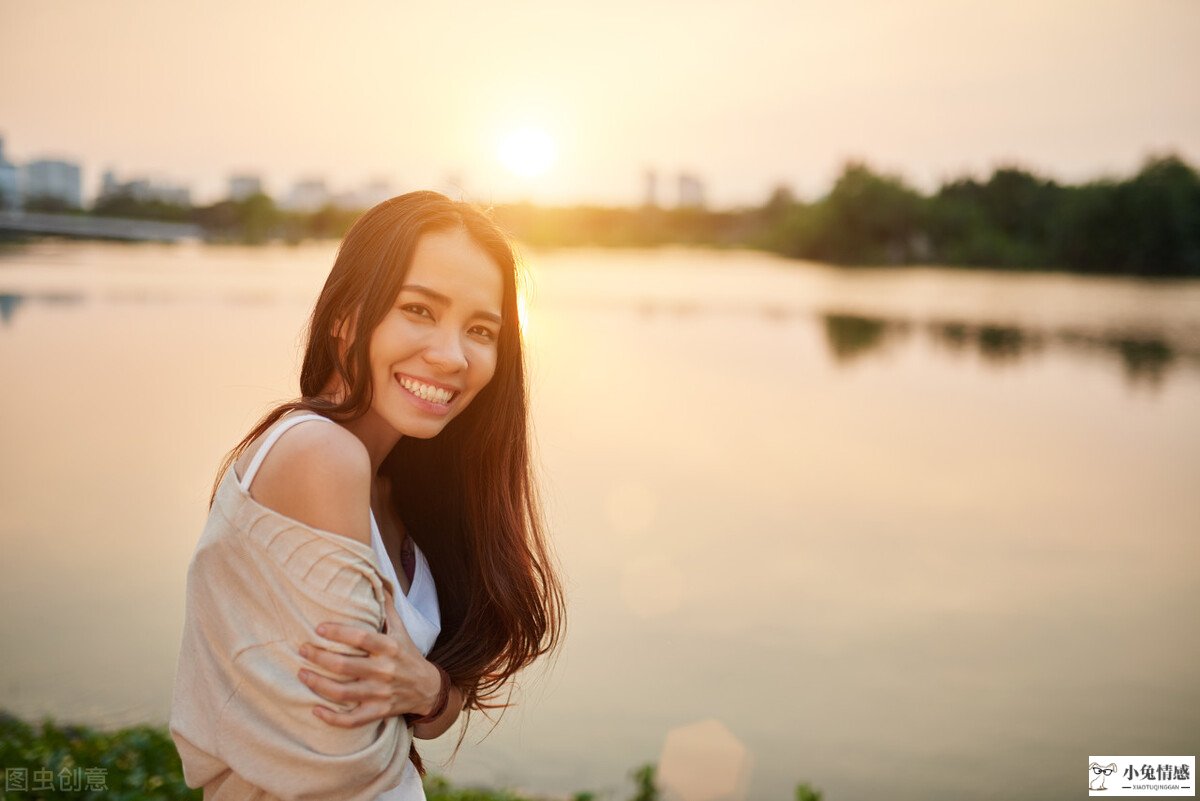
435,349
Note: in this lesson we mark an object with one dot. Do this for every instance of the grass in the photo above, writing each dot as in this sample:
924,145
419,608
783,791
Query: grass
140,763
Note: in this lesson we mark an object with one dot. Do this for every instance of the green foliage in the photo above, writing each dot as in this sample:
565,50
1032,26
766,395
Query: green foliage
1147,225
252,220
865,218
140,763
619,227
256,219
126,206
137,763
437,788
1002,223
643,779
804,792
48,205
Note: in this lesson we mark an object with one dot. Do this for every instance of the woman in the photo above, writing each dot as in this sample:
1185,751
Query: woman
309,662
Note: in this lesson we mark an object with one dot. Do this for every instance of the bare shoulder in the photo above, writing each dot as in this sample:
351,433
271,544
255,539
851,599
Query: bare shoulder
319,474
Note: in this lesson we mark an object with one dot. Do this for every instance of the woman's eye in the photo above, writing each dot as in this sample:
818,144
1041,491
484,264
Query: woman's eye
417,309
486,333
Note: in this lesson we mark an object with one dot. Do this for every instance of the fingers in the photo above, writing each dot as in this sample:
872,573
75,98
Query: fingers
370,641
350,635
352,667
363,713
339,691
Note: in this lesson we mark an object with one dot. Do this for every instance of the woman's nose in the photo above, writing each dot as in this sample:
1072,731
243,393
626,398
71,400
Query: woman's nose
445,352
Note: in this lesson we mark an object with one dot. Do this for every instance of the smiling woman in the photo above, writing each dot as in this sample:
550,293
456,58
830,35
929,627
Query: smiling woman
344,597
436,349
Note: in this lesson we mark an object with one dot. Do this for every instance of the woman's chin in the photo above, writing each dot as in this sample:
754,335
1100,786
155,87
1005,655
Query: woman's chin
422,429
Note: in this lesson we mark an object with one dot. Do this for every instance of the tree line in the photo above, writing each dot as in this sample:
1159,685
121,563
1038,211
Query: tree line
1147,224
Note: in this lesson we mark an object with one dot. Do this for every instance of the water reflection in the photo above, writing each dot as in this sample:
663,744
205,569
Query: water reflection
862,573
850,337
8,307
1145,359
11,301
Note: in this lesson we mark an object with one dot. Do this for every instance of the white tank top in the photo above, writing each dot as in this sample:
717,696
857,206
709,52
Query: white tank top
422,620
418,609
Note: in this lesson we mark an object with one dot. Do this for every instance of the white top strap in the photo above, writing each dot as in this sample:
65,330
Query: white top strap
257,461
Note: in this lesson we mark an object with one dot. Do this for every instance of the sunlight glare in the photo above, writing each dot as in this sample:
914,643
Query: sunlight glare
528,152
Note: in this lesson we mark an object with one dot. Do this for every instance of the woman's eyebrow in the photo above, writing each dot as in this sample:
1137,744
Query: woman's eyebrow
438,296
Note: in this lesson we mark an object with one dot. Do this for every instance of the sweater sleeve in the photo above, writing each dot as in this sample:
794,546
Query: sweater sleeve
270,739
266,732
241,717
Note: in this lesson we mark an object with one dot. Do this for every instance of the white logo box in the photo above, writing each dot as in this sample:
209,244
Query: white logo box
1122,776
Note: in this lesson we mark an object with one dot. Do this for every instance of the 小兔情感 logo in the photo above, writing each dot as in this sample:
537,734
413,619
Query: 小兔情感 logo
1142,775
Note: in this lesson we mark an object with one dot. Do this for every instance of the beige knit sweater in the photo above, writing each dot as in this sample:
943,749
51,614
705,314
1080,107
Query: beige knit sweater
258,585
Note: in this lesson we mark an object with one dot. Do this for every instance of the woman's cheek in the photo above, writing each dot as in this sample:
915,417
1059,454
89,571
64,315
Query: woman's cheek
487,363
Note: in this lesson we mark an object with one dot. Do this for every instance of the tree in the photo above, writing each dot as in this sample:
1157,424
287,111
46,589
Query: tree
804,792
643,779
867,217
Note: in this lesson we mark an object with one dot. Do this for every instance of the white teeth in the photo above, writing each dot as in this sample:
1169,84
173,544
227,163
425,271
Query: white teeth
427,392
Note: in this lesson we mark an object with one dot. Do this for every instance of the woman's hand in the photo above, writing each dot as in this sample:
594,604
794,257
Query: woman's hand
393,679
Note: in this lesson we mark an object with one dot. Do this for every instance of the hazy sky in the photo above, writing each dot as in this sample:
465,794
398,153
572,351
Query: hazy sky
745,94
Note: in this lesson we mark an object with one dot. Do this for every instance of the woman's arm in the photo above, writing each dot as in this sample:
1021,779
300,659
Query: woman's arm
393,679
435,728
240,716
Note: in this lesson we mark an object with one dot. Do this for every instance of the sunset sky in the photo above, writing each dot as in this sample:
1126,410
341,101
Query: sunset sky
746,95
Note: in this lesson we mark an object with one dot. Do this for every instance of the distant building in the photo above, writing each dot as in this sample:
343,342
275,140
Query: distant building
307,195
691,191
144,190
243,186
650,183
109,185
49,179
10,185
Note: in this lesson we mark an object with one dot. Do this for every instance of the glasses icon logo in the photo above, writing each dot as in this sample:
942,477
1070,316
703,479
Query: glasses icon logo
1098,773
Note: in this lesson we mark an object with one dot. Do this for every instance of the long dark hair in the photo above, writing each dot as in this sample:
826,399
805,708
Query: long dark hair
467,496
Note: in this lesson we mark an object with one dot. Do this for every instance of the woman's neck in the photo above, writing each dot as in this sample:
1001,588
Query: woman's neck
391,527
376,435
370,428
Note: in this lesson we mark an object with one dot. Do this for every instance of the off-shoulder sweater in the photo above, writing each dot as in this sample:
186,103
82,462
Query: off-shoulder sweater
258,585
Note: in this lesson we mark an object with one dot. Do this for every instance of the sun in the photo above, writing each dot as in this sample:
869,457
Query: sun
528,152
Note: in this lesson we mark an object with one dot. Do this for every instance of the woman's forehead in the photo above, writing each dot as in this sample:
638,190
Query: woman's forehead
452,264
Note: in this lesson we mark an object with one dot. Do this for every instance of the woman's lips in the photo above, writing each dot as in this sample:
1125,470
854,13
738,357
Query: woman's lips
438,400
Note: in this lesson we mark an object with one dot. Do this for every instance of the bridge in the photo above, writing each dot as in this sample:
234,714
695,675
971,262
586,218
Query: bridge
87,227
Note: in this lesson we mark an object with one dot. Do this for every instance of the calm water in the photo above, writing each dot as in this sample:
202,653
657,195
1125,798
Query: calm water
920,534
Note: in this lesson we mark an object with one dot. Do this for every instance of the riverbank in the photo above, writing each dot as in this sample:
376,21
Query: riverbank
48,761
51,760
1145,225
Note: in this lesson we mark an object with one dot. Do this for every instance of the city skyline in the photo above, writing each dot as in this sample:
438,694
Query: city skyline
745,97
59,178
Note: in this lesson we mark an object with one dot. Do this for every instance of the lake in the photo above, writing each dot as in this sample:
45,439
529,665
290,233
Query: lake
905,533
